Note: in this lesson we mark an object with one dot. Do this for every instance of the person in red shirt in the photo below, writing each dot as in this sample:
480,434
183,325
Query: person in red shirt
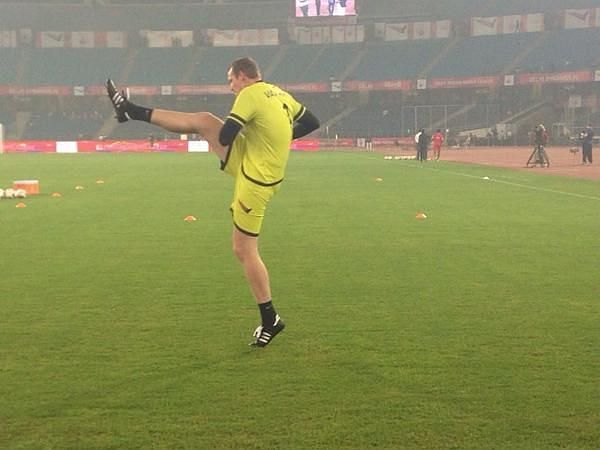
437,139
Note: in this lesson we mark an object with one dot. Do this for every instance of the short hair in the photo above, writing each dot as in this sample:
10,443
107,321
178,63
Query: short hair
245,65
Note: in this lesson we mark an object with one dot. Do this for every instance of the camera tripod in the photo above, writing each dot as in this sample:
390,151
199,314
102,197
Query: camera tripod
538,157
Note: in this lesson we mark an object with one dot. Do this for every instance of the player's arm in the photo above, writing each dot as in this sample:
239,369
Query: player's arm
304,123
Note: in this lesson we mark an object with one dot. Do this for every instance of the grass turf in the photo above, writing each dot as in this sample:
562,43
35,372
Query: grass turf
123,326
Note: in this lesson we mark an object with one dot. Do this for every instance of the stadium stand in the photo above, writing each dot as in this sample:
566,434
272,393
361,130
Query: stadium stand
211,66
481,55
404,60
11,58
330,61
348,113
157,65
63,126
575,49
296,59
77,67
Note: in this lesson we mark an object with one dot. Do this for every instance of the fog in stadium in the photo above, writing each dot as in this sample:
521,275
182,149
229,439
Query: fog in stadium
431,249
483,72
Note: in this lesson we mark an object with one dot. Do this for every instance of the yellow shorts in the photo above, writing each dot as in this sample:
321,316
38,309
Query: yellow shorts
250,198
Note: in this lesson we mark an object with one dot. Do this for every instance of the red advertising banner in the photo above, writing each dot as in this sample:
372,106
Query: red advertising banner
306,145
562,77
137,146
306,87
100,89
383,85
29,146
347,86
453,83
391,141
36,90
195,89
133,146
95,90
344,142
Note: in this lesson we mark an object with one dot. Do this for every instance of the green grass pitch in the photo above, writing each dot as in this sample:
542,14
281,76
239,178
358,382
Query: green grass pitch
122,326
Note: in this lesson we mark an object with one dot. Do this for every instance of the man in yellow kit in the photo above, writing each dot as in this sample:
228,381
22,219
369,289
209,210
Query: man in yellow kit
257,157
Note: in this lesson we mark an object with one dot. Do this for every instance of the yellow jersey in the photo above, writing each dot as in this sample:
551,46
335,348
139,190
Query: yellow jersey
267,114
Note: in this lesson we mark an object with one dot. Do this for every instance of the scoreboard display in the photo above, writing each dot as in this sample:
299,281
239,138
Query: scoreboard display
323,8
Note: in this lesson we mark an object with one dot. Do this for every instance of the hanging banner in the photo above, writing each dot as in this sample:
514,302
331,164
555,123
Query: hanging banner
441,29
165,38
422,30
8,38
83,39
512,24
534,23
484,26
249,37
580,18
51,39
397,31
316,35
116,39
303,35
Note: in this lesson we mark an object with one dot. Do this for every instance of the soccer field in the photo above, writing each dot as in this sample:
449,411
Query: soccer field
123,326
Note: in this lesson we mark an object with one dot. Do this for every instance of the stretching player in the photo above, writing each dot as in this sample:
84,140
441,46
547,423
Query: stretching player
257,157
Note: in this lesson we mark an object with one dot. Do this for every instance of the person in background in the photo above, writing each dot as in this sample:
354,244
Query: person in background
331,7
437,140
417,142
541,136
422,145
303,5
587,138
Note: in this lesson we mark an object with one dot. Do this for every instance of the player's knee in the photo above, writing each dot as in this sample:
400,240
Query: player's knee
241,251
238,251
244,251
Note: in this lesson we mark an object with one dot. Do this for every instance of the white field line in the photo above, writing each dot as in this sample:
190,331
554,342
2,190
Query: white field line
510,183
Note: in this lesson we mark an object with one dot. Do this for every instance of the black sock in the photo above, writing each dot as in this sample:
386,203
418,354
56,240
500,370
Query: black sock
136,112
267,314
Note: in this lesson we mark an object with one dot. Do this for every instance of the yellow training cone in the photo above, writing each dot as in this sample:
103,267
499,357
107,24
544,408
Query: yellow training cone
21,205
79,188
190,219
56,194
378,179
99,181
421,216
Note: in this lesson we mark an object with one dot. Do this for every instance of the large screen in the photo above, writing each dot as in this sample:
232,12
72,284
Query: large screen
324,8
